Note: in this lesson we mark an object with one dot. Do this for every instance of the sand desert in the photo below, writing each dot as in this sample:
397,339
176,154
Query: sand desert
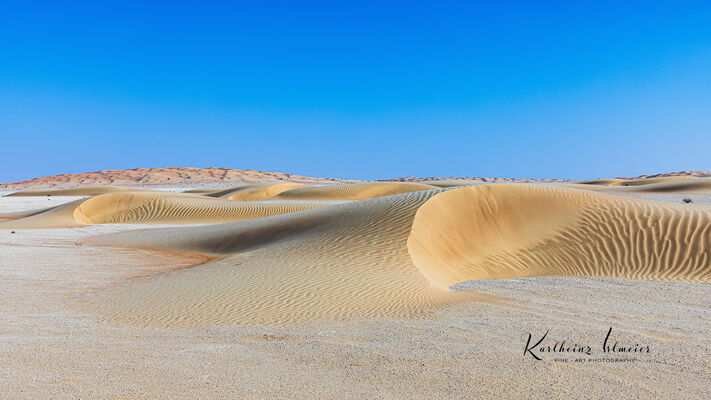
325,288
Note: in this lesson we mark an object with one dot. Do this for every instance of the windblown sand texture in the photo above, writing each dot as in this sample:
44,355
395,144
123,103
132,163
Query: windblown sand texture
512,231
145,207
399,255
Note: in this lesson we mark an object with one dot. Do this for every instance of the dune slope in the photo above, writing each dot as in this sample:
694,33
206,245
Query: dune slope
512,231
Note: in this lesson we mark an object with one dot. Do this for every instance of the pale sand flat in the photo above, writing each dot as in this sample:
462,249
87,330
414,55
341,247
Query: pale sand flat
80,191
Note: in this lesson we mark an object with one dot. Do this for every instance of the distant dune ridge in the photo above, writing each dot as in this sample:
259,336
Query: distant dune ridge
186,176
164,176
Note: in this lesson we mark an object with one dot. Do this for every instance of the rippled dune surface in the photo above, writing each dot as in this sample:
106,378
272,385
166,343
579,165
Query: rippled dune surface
146,207
511,231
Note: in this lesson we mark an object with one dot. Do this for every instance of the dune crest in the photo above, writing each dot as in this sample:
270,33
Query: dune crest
255,192
146,207
354,191
513,231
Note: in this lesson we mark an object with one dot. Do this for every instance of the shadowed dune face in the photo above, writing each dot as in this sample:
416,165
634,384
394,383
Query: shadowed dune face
355,191
512,231
81,191
146,207
260,191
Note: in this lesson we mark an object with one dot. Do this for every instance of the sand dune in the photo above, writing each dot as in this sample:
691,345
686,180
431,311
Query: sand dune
146,207
258,191
398,255
80,191
347,260
355,191
511,231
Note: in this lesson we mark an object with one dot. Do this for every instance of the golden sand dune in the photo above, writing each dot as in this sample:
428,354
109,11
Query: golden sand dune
258,191
355,191
146,207
80,191
398,255
347,260
511,231
633,182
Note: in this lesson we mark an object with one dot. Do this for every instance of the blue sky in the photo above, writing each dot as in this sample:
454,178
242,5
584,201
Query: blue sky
357,89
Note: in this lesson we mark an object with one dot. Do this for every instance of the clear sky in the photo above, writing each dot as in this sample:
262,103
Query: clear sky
357,89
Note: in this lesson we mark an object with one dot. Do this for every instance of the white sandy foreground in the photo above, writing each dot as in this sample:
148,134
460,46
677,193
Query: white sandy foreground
50,348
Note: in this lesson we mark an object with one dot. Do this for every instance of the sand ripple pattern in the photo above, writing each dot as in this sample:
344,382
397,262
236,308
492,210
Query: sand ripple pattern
148,207
511,231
